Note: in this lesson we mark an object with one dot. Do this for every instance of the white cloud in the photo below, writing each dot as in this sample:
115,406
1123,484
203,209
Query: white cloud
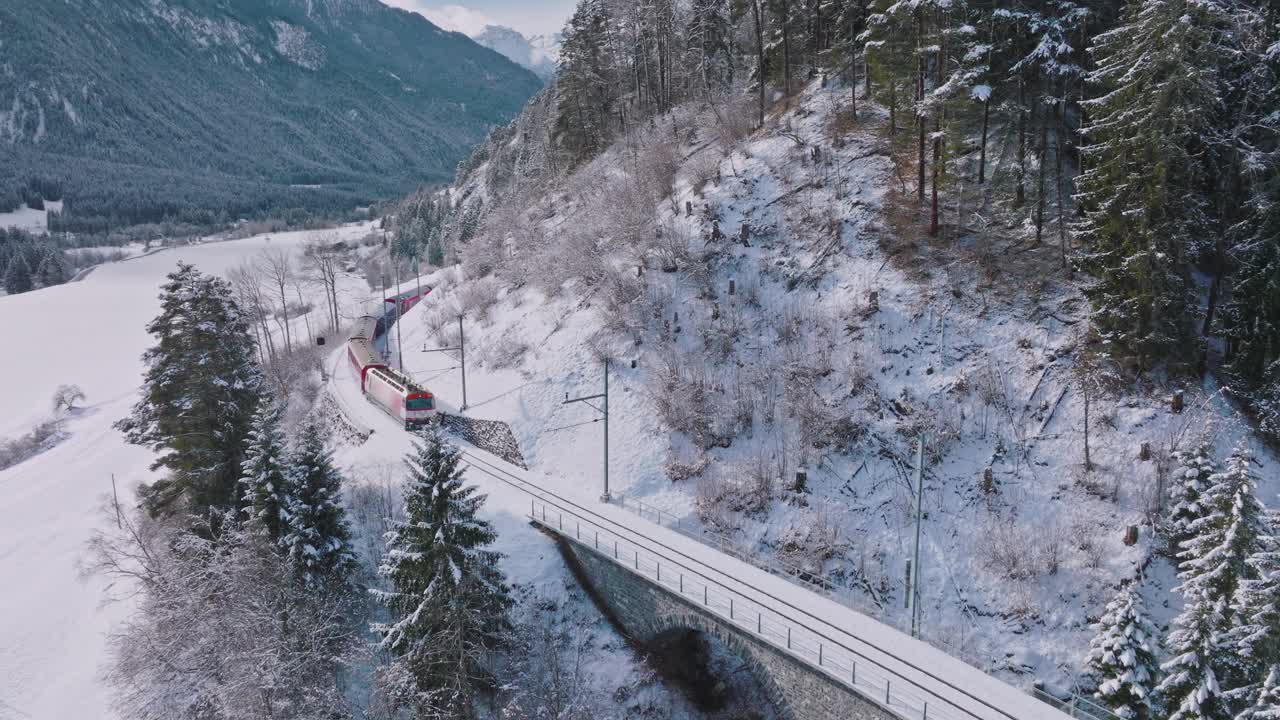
450,17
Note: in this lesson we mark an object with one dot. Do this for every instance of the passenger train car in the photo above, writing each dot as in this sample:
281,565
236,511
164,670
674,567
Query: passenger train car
399,396
405,301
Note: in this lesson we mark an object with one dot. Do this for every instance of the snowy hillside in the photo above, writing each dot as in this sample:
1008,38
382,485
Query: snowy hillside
784,321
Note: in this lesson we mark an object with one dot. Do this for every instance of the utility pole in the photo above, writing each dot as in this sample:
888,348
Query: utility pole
399,331
586,399
462,348
913,594
417,276
115,500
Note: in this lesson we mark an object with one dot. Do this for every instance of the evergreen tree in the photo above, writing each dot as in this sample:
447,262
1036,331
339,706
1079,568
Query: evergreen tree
435,254
267,474
1255,637
199,394
52,269
17,277
1122,656
583,86
448,600
1213,565
1250,317
1189,482
1143,187
1215,557
1190,688
1267,704
316,537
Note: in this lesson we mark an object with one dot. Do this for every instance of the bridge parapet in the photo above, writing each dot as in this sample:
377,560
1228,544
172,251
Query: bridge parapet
864,666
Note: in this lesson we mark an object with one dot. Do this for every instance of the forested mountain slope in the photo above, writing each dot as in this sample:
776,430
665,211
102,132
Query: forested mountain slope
808,236
142,110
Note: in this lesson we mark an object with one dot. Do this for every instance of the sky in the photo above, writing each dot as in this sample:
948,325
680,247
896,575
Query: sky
530,17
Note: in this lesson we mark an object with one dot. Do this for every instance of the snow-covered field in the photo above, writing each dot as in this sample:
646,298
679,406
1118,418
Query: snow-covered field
25,218
92,334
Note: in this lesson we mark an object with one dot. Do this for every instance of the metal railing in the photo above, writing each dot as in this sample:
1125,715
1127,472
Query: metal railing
892,682
1076,706
811,580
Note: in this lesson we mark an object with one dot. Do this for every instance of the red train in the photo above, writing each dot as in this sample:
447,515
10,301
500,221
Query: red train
405,300
399,396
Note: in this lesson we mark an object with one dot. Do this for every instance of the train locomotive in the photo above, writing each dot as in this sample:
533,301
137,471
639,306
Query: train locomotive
397,394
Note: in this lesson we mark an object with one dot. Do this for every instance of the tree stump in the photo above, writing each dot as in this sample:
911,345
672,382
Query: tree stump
1176,403
988,481
1131,535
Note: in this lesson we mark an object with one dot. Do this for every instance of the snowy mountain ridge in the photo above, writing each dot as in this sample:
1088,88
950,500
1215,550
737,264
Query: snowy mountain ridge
538,53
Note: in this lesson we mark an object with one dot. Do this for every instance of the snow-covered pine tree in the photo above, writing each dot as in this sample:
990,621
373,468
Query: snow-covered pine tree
1188,483
317,538
1213,563
17,277
1231,531
1143,185
198,398
1255,635
52,269
266,472
1190,689
584,86
1250,316
1122,656
448,600
1267,704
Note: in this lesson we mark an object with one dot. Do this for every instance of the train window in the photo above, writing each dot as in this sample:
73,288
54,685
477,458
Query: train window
424,403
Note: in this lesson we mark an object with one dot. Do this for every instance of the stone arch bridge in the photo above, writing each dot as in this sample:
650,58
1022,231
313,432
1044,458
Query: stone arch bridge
817,660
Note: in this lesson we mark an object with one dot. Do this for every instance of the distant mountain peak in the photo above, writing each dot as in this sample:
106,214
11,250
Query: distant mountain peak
540,53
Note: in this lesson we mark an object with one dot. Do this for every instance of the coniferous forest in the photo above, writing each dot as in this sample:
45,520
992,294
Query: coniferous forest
1138,139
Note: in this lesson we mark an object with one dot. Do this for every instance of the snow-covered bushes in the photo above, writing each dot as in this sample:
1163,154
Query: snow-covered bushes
213,609
684,399
40,438
504,352
475,298
810,541
684,462
555,667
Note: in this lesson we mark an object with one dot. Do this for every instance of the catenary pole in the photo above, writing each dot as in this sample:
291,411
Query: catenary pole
399,331
914,596
462,348
604,409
